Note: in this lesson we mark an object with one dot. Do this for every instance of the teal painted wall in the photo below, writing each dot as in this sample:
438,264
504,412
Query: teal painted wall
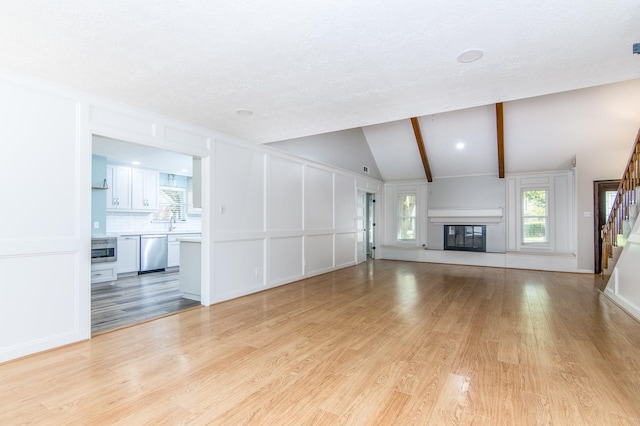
98,196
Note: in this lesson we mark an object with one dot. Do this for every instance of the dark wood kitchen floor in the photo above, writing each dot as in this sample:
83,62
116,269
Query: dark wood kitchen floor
131,300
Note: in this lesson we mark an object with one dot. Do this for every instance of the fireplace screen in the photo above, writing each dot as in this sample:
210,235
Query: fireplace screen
465,237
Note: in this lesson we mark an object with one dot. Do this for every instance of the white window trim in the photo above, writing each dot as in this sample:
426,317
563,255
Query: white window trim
548,245
563,223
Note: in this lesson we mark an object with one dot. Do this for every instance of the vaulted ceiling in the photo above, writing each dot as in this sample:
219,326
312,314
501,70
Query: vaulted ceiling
271,71
543,133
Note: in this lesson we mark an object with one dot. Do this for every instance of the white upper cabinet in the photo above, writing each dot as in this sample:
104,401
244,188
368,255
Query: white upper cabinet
132,189
144,190
119,192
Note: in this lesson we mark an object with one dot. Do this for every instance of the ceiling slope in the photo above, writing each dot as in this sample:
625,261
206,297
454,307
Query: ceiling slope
347,149
459,143
394,148
543,133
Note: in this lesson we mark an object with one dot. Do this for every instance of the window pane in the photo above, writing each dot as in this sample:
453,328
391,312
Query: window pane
407,229
406,217
610,199
534,230
171,203
534,203
535,216
407,205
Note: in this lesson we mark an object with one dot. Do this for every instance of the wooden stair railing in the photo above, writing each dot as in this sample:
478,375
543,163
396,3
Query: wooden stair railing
625,198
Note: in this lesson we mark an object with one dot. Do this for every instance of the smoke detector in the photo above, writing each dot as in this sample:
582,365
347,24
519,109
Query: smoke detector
470,55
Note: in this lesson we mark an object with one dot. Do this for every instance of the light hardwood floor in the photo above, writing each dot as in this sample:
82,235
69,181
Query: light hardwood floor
381,343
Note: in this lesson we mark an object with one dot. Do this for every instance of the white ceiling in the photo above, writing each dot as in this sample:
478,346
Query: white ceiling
396,152
125,153
393,145
543,133
306,68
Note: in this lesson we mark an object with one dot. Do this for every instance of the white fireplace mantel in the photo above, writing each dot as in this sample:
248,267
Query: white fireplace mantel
465,216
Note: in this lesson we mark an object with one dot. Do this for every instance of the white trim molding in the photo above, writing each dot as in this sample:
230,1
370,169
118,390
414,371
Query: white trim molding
465,216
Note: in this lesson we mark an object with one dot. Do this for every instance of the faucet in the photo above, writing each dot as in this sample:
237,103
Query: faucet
172,222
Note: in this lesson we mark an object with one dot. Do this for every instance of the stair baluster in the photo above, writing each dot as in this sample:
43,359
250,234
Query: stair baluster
626,197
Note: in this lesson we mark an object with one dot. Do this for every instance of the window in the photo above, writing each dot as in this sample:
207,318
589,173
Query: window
171,203
535,216
406,217
610,200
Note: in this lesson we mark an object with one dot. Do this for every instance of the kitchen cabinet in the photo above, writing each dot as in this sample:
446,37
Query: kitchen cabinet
173,254
128,254
131,189
190,258
173,246
144,190
102,272
119,188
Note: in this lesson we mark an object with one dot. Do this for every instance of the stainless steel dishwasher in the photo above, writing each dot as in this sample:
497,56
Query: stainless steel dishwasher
153,252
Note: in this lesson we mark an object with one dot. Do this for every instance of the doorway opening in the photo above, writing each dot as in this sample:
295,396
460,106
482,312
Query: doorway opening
139,192
604,192
371,225
365,225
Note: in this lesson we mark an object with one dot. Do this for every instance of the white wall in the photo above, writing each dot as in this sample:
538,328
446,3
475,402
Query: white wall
624,286
267,218
278,218
561,198
388,220
284,218
346,149
476,192
446,193
45,159
504,246
45,164
597,125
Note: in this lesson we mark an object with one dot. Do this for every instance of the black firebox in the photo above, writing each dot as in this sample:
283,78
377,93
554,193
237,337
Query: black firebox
465,237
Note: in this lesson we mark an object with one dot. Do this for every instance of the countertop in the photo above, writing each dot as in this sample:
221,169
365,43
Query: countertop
176,232
190,239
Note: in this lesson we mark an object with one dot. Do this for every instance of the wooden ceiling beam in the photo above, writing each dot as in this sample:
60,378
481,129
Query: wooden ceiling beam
423,152
500,132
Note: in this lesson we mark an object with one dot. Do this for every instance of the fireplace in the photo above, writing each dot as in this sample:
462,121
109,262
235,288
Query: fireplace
465,237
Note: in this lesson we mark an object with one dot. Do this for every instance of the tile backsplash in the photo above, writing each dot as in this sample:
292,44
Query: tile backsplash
123,222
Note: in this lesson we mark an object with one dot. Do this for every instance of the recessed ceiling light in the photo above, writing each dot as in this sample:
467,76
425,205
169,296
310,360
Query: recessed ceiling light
184,170
460,145
244,112
135,163
470,55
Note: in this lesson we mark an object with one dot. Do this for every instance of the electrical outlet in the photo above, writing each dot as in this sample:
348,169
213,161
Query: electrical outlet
96,225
